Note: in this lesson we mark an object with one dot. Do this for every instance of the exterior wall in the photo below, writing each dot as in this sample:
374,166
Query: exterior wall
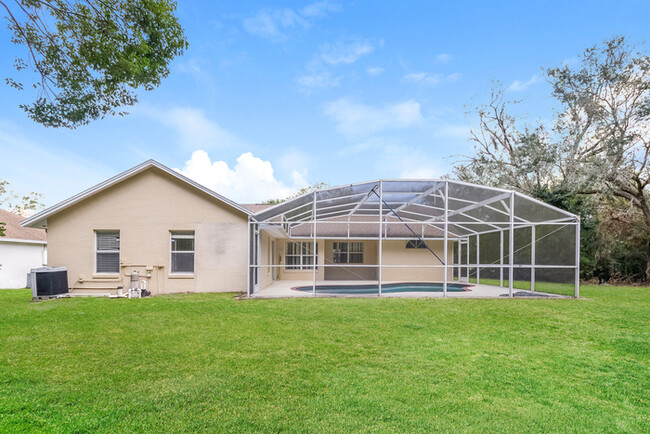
16,259
396,253
370,257
145,209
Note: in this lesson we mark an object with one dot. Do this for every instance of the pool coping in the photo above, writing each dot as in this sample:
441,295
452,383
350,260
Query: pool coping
286,289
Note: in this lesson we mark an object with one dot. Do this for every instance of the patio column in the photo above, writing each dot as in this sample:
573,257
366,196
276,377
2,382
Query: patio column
511,245
258,257
348,227
381,231
248,259
501,259
460,259
532,258
478,259
314,257
446,237
467,257
576,289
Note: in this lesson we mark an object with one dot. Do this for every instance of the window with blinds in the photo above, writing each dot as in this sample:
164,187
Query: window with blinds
182,252
107,251
300,255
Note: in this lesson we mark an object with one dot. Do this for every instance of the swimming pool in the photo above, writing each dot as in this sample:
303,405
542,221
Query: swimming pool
387,288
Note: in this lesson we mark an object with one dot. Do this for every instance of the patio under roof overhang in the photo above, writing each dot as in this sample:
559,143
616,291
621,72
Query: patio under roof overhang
441,209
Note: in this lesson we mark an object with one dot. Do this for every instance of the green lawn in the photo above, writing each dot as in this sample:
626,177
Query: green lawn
208,362
554,288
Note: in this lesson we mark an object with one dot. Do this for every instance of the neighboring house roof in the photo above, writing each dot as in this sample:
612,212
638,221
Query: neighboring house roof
14,231
256,207
40,219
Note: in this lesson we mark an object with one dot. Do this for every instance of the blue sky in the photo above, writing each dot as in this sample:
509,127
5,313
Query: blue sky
272,96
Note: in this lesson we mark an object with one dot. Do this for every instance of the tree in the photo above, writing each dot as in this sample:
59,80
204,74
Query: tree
313,187
599,144
17,204
89,56
606,122
508,154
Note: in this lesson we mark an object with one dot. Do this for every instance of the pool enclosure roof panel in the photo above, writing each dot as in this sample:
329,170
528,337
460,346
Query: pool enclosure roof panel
470,208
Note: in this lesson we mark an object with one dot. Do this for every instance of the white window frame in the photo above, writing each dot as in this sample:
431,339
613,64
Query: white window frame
415,245
347,251
182,235
306,251
118,251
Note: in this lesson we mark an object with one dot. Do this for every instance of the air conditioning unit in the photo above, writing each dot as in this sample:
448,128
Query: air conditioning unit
48,282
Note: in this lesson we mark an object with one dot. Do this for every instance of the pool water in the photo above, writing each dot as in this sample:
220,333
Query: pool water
387,288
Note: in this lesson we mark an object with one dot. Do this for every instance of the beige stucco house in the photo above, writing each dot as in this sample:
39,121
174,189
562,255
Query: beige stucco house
183,237
179,235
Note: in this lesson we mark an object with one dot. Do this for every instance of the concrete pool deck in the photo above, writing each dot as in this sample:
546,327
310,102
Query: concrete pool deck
282,289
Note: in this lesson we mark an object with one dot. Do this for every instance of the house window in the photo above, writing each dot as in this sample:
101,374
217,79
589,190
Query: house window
182,250
348,253
415,244
107,251
300,255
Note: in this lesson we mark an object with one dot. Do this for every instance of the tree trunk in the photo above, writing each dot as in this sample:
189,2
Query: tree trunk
647,264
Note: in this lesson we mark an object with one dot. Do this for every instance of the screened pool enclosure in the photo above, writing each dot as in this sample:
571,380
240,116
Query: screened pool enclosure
384,232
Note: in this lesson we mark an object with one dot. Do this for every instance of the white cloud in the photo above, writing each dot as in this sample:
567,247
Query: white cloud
520,86
391,157
251,179
354,119
271,24
320,9
193,128
345,52
443,58
317,80
299,178
191,66
297,163
357,148
422,78
410,161
319,72
429,79
274,24
375,70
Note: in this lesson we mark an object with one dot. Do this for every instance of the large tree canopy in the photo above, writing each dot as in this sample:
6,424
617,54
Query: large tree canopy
89,56
598,145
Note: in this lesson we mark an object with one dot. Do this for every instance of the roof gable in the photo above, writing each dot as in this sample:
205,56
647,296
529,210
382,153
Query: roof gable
39,220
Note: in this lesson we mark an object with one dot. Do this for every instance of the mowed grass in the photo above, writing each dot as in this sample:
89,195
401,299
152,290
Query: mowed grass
208,362
550,287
